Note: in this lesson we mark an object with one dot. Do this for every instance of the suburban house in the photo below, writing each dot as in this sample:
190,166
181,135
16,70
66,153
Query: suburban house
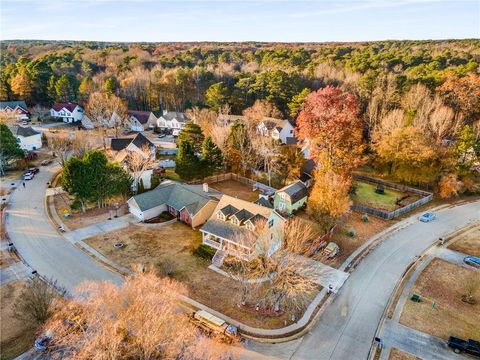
281,130
290,198
236,227
191,204
28,138
306,176
17,109
141,120
172,120
68,112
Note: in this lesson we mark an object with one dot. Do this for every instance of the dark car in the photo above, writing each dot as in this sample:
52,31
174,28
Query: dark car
34,170
469,346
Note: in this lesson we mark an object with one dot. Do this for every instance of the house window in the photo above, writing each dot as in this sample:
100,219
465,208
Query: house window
235,221
270,223
220,216
250,226
283,196
291,131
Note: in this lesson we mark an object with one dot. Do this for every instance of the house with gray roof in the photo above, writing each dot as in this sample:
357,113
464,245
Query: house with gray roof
191,204
28,138
17,109
278,129
290,198
242,229
172,120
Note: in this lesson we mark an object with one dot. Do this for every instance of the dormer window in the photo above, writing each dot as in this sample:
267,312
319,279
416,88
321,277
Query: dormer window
235,221
220,216
250,226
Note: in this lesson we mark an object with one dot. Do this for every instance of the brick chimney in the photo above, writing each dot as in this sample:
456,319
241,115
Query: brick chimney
205,187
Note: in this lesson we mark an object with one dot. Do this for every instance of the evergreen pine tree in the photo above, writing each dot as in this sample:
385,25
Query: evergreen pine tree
187,164
212,159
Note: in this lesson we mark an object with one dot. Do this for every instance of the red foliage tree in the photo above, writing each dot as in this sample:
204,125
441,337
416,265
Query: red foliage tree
329,121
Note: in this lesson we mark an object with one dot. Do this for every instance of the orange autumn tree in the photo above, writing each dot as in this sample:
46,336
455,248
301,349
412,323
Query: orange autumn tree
139,319
330,122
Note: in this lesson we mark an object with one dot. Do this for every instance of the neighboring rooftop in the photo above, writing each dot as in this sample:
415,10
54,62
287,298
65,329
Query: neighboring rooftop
26,131
177,195
13,104
141,116
118,144
179,116
296,191
59,106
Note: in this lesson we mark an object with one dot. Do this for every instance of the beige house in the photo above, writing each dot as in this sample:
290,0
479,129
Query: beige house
236,226
191,204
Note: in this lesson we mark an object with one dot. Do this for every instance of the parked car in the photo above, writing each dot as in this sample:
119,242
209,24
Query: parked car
472,261
469,346
427,217
28,176
34,170
46,162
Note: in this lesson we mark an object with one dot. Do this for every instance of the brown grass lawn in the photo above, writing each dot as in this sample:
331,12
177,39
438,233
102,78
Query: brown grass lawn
445,283
236,189
16,336
468,242
177,241
347,244
396,354
78,219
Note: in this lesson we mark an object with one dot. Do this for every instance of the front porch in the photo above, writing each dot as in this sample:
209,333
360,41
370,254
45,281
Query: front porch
228,246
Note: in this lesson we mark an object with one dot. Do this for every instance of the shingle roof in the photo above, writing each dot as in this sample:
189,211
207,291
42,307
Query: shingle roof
26,131
140,140
264,202
228,210
292,141
296,190
179,116
226,230
59,106
141,116
178,196
243,215
120,143
13,104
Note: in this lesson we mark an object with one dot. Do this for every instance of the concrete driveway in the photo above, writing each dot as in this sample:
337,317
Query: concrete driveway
346,328
39,243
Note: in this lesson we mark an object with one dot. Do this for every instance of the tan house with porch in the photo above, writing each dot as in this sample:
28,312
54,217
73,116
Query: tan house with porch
236,226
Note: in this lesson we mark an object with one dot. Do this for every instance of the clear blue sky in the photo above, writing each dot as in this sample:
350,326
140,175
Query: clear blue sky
149,20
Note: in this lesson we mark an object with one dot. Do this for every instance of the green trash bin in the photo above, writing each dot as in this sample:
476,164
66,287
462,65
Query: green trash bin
415,298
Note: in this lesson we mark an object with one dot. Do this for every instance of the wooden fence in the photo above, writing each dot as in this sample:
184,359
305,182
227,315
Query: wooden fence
231,176
388,215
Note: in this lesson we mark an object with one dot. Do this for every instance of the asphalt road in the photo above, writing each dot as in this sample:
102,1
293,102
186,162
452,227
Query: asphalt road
39,243
348,325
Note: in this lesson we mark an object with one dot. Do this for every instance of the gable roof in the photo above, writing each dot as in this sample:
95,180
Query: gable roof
272,123
176,195
296,190
228,210
179,116
13,104
140,140
243,215
59,106
141,116
26,131
263,202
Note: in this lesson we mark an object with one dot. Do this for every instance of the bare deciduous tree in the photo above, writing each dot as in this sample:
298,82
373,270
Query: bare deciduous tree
61,145
137,319
138,162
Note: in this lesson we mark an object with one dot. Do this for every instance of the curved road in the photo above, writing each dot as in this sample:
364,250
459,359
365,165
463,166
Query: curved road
347,327
38,242
344,331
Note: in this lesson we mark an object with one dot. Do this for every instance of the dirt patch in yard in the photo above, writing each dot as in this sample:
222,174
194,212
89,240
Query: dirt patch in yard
78,219
236,189
444,283
348,244
16,336
159,247
468,242
396,354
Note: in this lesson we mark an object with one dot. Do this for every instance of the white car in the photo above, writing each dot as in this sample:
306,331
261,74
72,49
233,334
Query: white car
28,176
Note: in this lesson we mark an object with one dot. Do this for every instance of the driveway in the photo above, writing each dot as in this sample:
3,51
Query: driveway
39,243
346,328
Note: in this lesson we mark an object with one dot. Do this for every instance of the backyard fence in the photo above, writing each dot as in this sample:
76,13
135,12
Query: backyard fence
231,176
388,215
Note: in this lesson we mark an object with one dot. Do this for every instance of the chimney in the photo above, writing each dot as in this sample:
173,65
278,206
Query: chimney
205,187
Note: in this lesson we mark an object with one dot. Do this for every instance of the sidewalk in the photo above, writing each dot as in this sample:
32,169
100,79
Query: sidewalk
105,226
14,272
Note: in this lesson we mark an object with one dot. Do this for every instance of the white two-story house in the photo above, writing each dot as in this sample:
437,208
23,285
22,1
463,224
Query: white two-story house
28,138
141,120
281,130
68,112
172,120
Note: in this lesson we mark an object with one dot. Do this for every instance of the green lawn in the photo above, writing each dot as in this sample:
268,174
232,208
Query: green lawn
365,195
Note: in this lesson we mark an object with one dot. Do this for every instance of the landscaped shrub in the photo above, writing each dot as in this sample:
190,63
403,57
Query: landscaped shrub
205,252
76,205
351,232
167,267
365,218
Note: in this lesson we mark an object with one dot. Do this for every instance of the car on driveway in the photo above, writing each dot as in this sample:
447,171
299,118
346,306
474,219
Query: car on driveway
46,162
469,346
34,170
28,176
472,261
427,217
